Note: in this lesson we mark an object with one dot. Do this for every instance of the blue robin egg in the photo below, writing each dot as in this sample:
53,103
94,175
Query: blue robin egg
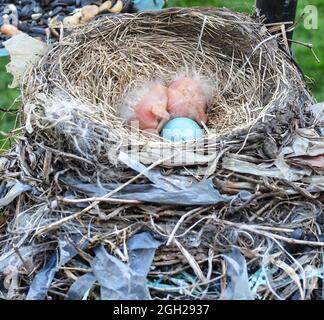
181,129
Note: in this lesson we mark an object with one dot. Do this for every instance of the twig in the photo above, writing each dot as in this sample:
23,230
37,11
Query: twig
100,199
177,226
192,262
21,258
254,229
8,110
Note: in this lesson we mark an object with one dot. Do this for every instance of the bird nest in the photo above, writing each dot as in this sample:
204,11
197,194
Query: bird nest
96,66
87,200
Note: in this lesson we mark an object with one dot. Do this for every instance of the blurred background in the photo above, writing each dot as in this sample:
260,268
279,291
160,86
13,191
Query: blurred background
313,69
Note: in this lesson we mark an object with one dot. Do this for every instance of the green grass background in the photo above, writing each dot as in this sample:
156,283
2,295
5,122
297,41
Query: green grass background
303,55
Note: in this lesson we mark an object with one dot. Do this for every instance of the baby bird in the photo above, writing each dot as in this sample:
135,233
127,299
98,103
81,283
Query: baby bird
186,98
151,111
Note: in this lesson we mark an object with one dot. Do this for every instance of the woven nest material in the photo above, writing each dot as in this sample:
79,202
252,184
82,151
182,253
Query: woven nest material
99,64
243,206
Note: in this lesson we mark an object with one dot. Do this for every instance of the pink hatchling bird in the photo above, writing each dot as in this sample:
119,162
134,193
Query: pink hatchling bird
186,98
151,111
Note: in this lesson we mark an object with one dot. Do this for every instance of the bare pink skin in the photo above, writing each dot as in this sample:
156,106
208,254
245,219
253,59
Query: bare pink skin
151,111
186,99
